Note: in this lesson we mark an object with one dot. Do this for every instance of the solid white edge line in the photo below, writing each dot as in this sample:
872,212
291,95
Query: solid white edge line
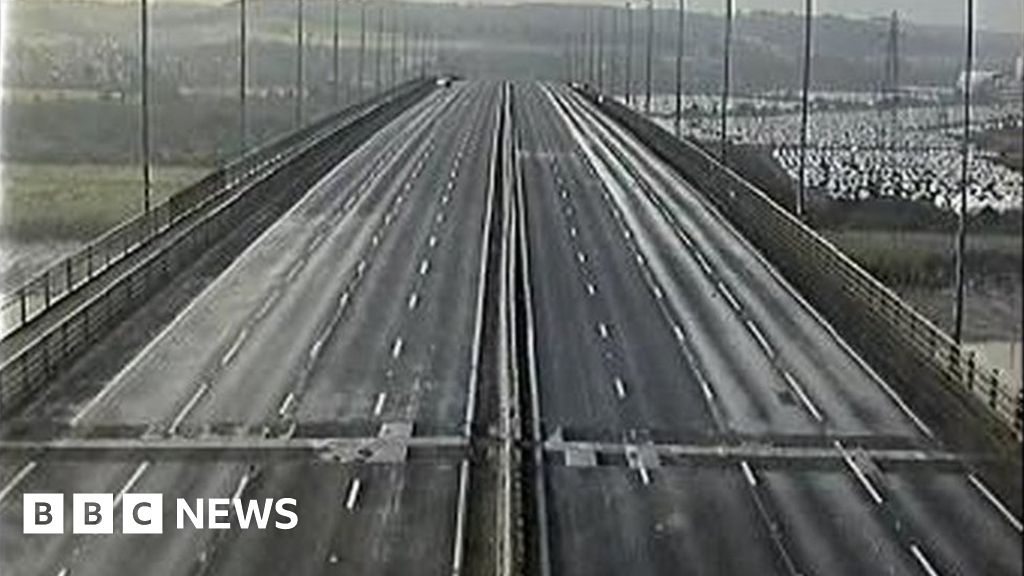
460,519
475,350
543,554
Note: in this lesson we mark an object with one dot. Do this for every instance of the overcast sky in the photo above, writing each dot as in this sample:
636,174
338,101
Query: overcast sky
1001,15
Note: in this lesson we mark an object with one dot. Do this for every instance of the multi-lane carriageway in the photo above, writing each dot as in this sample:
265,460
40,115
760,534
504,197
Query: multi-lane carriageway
674,407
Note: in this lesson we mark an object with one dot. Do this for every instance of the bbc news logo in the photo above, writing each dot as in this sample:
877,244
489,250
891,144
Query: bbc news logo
143,514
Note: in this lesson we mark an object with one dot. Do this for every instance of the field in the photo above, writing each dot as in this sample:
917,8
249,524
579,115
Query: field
920,267
1007,144
925,259
908,245
48,211
75,202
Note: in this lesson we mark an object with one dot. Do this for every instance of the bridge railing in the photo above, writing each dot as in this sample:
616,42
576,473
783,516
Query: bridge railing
88,320
888,332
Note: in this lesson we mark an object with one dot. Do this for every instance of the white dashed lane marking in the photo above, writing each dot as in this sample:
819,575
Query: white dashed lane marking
13,483
761,341
980,486
620,388
353,494
286,404
876,496
804,399
926,565
235,346
729,296
378,406
748,473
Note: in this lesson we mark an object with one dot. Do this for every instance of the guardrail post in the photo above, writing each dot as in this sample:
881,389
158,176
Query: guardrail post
47,369
1018,414
88,261
64,340
24,305
969,376
46,291
68,273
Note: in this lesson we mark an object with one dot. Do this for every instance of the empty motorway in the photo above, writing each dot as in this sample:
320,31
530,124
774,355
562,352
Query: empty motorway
686,409
660,334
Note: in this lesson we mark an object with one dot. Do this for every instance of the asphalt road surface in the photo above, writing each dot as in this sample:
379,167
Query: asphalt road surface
351,316
697,417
